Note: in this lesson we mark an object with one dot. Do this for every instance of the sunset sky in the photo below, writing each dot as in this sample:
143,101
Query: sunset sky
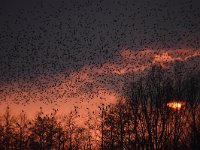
62,54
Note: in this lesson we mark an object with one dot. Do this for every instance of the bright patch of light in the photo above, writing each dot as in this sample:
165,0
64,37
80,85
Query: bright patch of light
175,105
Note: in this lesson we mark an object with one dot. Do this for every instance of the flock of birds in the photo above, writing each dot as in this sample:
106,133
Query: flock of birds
47,47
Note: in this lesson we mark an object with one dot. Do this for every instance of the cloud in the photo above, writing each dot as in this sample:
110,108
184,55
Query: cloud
166,58
92,84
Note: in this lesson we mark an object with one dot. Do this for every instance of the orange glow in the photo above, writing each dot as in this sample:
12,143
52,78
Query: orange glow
176,105
89,86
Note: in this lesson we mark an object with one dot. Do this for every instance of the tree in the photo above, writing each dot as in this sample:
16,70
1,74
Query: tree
22,131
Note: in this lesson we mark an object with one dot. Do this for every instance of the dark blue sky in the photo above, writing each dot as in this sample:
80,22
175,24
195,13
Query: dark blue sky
45,37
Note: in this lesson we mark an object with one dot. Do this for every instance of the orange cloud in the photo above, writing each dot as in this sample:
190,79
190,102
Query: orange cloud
89,86
166,58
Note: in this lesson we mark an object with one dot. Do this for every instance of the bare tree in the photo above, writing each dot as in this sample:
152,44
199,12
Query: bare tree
22,130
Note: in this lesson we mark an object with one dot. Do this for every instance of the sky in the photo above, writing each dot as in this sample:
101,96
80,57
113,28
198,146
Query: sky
72,53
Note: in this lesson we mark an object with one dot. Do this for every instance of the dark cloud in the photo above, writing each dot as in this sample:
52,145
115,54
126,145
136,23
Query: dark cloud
46,37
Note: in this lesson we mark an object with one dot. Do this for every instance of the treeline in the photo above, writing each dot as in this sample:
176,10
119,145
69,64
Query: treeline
44,132
142,120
